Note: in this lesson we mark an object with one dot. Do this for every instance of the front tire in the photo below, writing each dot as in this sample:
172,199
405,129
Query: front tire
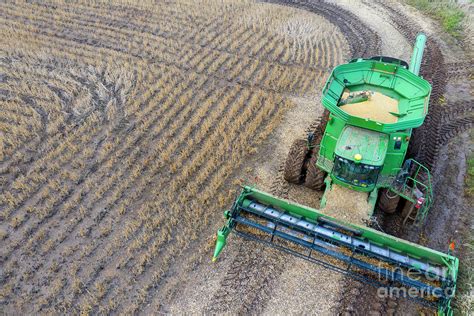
314,175
388,201
295,162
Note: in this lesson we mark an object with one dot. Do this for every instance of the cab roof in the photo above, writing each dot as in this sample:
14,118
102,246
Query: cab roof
371,145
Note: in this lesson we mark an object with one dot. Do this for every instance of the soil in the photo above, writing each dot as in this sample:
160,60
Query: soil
249,276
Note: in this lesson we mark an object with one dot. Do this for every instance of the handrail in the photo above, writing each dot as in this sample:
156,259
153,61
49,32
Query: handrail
408,191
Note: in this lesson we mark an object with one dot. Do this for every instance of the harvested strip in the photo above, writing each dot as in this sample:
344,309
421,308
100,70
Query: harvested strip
347,205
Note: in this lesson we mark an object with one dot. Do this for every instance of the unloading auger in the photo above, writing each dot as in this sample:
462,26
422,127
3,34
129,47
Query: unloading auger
361,144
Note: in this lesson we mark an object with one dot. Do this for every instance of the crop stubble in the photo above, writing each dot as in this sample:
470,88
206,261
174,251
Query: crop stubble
122,129
267,275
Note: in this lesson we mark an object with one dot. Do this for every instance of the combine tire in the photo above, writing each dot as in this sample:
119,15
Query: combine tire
295,162
388,201
324,121
314,175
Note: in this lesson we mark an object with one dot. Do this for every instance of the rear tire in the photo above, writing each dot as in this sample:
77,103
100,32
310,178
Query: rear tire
322,125
300,166
388,201
295,162
314,175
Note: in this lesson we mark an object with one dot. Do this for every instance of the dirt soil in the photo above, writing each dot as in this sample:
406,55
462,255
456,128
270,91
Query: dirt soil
250,278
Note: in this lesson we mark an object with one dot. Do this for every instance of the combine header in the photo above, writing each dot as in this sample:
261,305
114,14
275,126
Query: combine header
372,105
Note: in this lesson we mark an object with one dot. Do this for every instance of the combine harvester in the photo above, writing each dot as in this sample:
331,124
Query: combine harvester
372,106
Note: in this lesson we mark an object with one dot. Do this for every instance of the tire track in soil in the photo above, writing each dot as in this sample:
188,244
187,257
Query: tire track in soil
362,40
33,230
428,141
457,110
459,70
247,286
29,151
426,146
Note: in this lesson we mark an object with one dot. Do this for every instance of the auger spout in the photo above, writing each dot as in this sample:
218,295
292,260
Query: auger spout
417,56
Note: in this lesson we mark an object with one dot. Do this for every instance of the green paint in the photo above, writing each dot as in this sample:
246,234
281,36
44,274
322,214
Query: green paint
371,145
411,91
368,233
372,200
417,56
220,241
381,145
416,266
449,262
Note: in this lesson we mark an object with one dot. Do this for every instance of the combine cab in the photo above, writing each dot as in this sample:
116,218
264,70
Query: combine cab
372,106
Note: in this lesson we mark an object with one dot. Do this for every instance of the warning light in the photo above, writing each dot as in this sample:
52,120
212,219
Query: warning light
419,202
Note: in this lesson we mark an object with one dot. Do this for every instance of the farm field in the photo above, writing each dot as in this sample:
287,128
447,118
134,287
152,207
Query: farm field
126,129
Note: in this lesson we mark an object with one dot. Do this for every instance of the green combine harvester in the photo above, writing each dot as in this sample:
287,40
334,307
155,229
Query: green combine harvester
371,107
